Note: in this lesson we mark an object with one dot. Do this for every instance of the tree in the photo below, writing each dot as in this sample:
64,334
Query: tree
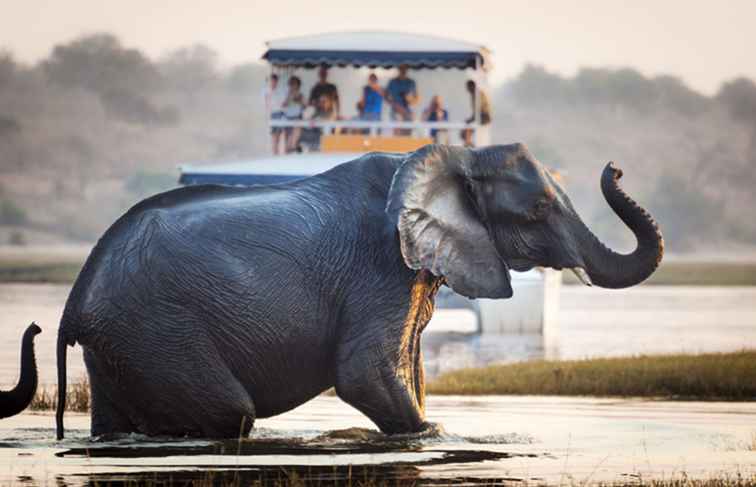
739,96
99,63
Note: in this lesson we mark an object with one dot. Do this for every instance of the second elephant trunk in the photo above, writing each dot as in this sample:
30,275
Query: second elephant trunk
16,400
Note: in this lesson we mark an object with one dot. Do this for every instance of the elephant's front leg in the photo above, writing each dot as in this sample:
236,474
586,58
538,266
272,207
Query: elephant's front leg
380,369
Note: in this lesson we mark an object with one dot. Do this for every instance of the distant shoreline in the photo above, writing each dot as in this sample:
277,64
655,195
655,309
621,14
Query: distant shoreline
61,265
726,376
690,377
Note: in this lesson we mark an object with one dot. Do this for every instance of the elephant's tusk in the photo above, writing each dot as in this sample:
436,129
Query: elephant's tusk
582,275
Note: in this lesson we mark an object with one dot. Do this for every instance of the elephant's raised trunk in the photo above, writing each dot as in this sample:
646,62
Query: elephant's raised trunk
608,268
18,399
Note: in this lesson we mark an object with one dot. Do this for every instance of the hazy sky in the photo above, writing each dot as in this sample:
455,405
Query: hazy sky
704,42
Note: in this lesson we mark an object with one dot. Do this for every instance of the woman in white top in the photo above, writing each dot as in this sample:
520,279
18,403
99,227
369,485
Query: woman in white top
293,107
274,99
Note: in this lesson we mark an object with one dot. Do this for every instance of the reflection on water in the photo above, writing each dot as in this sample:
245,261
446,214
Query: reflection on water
540,439
592,322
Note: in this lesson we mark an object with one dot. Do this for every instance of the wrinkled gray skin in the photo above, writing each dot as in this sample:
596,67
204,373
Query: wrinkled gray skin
206,307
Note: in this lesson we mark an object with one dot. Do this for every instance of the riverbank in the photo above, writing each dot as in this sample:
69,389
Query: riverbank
709,377
704,377
56,264
61,265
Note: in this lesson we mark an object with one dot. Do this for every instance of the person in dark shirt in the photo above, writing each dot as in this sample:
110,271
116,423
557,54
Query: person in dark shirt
323,87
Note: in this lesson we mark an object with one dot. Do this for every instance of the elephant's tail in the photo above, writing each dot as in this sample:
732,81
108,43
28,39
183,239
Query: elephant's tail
62,351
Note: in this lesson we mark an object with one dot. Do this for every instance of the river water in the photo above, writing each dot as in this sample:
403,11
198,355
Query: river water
552,440
490,439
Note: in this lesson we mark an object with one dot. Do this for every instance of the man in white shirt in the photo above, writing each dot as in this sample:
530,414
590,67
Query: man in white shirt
274,98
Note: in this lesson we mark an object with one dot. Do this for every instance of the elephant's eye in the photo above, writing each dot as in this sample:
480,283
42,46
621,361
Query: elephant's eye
541,208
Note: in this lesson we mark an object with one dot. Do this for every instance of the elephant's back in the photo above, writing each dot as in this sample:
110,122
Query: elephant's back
181,245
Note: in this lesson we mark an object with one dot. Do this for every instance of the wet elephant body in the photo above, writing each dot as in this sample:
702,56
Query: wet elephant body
206,307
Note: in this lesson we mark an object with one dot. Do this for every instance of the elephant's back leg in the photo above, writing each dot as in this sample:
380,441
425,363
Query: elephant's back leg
108,409
181,387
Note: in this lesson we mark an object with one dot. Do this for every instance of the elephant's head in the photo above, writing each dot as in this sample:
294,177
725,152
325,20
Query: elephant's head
472,215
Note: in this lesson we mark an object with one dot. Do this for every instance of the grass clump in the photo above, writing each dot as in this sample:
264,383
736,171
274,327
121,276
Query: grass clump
712,376
77,397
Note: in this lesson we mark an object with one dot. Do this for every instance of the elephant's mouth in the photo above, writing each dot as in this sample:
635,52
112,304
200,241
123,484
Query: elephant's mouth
524,265
521,265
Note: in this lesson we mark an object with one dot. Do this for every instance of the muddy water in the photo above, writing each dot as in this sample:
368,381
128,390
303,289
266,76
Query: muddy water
592,322
548,439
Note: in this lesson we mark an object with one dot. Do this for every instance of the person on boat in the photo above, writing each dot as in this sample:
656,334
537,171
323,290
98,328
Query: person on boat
372,100
323,87
274,97
484,110
360,117
293,107
324,111
401,93
435,112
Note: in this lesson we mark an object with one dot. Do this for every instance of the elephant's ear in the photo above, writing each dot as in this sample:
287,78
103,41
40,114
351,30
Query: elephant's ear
439,229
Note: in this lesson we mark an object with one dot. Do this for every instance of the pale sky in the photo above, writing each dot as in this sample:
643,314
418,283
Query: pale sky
703,42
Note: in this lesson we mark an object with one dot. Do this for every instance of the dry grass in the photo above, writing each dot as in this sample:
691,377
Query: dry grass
715,376
40,265
77,397
63,273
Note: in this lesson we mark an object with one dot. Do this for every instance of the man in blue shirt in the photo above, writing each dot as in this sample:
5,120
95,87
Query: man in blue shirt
372,100
401,93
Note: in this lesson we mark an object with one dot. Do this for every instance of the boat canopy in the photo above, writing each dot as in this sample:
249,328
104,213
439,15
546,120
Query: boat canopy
376,49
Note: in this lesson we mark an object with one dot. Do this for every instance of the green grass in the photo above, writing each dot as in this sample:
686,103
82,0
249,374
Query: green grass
685,273
715,376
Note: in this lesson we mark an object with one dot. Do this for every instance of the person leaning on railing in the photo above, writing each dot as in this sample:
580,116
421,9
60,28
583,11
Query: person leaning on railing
401,93
324,111
372,100
324,88
484,110
274,97
293,108
437,113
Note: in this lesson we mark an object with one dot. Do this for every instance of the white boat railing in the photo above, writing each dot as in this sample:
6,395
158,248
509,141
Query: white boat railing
423,128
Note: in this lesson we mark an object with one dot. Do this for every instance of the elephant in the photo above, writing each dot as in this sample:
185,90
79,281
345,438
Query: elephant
206,307
17,399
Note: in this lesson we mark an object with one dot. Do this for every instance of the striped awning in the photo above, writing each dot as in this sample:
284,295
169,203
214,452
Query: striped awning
376,49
